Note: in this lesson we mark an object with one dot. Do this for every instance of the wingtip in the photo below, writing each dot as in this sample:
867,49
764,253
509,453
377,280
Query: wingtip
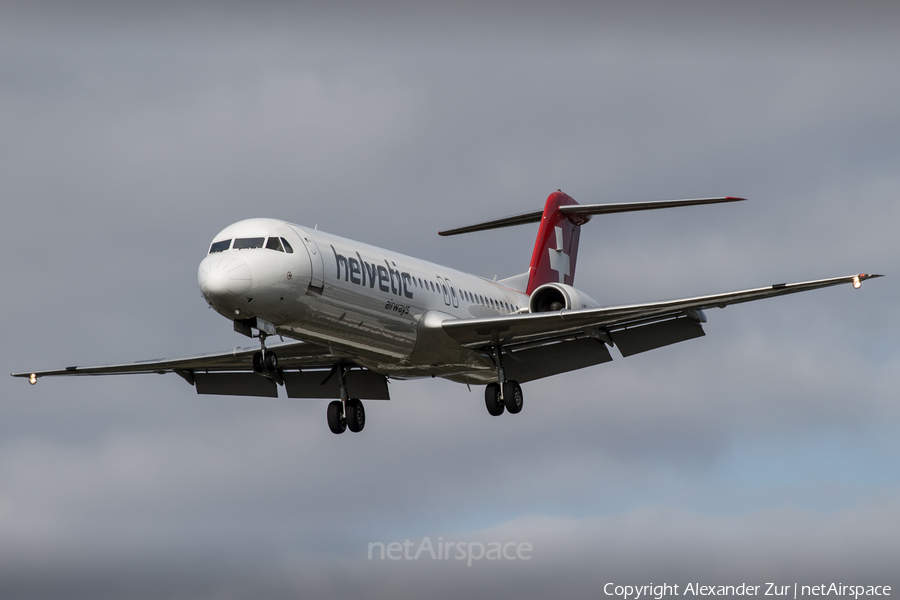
858,279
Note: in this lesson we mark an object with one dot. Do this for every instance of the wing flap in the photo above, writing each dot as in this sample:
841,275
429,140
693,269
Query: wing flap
555,358
235,384
634,340
365,385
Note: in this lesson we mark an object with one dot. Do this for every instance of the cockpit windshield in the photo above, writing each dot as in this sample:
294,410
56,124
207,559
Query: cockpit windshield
220,246
274,243
243,243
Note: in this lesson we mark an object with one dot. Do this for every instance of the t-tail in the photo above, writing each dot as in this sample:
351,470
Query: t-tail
556,246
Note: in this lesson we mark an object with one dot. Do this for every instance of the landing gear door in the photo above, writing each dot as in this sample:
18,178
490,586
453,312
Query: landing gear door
317,279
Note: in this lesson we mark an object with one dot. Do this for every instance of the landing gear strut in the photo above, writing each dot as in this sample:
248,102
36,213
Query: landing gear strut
505,394
265,362
346,412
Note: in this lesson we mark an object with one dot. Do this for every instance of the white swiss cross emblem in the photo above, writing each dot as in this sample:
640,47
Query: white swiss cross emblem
559,260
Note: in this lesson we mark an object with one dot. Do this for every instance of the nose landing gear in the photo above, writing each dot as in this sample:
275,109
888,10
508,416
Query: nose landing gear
264,361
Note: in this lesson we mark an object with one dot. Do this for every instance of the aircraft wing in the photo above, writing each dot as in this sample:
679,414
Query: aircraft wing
231,373
295,354
633,327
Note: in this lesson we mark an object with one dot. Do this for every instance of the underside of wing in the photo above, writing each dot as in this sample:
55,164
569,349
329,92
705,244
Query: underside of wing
633,328
306,371
292,355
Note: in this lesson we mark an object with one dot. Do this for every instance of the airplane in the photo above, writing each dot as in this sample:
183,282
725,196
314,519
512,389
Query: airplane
359,315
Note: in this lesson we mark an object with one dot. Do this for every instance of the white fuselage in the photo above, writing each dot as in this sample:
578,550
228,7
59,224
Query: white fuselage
381,307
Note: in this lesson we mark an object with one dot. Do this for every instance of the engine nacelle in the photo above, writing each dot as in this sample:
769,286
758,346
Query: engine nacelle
552,297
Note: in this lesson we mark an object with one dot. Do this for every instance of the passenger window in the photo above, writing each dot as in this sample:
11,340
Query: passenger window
287,247
244,243
274,244
220,246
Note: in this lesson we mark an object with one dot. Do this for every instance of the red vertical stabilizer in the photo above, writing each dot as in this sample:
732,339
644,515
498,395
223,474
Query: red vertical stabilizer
556,247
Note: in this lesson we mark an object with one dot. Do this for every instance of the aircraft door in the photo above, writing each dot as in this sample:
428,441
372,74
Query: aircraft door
317,269
445,289
453,297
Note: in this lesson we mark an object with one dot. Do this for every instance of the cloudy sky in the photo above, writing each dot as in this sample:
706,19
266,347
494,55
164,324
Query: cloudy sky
766,451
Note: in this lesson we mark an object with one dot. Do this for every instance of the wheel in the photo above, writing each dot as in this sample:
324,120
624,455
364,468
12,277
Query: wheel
492,399
512,397
258,366
356,415
271,362
336,421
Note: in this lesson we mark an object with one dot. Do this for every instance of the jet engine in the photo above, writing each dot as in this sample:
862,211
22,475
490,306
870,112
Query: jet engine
552,297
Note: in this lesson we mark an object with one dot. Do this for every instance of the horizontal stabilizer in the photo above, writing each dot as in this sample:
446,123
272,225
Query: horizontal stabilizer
604,209
587,210
532,217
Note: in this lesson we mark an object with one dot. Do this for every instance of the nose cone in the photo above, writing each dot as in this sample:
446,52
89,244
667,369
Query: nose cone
223,279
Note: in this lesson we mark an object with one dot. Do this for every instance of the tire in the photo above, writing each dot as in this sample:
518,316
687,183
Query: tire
512,397
271,362
356,415
492,399
335,419
258,366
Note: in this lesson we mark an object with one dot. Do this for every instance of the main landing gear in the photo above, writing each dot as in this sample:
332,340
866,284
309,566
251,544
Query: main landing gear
505,394
345,413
